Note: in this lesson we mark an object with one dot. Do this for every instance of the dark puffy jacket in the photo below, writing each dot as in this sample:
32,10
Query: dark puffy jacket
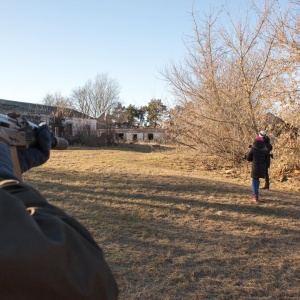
259,156
45,254
270,148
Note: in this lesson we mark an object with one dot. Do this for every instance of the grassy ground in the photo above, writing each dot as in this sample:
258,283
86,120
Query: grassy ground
170,229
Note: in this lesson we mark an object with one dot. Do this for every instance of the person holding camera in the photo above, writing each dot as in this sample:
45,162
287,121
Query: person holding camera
269,146
44,253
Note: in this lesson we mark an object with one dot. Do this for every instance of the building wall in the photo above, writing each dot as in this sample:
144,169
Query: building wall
140,136
157,136
81,124
135,135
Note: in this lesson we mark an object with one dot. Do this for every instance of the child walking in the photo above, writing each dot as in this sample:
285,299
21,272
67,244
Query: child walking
258,155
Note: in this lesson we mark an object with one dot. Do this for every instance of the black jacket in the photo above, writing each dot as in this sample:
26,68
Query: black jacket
259,156
270,148
45,254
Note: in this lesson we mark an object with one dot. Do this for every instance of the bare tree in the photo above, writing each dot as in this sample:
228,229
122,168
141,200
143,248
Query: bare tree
82,98
227,82
61,109
288,35
57,100
288,44
97,97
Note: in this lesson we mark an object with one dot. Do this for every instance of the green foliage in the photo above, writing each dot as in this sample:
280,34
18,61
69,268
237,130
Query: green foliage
151,115
155,112
119,114
131,114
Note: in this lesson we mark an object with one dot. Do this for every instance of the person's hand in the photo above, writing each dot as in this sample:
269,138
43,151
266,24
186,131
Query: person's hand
38,154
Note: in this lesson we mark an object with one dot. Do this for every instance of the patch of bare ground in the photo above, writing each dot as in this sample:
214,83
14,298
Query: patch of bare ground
171,229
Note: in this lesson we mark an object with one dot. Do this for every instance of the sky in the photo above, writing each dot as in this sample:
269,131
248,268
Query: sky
55,46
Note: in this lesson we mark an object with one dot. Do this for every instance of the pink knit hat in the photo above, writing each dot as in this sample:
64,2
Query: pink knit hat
259,139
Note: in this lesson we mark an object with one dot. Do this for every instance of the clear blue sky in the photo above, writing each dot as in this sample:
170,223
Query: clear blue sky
50,46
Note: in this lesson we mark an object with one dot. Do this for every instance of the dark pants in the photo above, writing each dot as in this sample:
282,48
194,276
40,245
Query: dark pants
267,177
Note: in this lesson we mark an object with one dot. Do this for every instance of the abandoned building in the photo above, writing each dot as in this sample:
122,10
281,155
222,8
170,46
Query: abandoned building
68,123
277,126
64,122
137,134
105,125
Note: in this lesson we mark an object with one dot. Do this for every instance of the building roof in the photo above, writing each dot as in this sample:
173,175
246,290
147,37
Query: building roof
24,108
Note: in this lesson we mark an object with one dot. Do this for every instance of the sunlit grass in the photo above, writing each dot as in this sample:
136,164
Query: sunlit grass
170,229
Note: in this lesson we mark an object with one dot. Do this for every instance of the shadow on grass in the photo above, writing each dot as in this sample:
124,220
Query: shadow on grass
185,238
194,192
129,147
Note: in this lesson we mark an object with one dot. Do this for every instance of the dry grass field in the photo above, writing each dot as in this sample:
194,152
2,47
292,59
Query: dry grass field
171,229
